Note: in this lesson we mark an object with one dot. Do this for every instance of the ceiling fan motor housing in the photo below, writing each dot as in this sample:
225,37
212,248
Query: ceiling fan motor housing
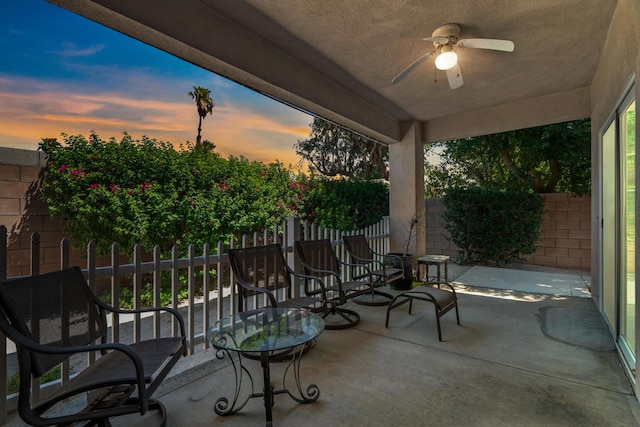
450,31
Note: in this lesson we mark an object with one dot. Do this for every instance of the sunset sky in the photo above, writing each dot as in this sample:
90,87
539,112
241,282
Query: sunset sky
60,72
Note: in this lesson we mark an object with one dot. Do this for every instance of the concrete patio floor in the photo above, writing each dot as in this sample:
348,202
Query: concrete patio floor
518,359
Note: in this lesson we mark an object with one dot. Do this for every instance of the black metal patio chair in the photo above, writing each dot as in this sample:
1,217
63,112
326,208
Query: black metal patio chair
443,300
263,271
319,259
51,317
371,265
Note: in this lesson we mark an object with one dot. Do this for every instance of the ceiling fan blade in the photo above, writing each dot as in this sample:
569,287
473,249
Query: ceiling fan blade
493,44
407,70
437,39
455,77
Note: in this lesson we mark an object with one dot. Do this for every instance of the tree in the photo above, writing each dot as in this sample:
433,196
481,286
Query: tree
205,105
543,159
335,151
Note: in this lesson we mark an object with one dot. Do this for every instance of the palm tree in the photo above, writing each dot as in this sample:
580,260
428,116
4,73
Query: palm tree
205,106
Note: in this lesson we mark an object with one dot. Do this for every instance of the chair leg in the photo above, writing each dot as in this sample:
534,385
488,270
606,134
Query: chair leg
393,304
438,323
375,298
386,323
154,405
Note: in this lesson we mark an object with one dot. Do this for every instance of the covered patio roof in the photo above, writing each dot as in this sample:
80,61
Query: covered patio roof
336,59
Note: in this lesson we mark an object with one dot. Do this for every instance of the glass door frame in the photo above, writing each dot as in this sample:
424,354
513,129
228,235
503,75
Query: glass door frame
628,352
628,355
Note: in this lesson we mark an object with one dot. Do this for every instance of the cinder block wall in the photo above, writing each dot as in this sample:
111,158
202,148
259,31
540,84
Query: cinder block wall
21,212
437,236
566,234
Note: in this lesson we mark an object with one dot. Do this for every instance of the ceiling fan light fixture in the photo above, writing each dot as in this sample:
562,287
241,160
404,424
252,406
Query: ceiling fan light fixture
447,58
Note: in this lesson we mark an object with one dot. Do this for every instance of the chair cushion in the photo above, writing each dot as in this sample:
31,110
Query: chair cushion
442,297
117,368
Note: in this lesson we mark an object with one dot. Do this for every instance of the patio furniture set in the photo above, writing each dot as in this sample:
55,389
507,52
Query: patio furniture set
53,316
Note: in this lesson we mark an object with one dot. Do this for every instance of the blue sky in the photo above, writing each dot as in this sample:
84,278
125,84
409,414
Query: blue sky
61,73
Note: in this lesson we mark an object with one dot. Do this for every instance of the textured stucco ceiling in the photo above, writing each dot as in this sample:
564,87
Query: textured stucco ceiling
336,58
359,39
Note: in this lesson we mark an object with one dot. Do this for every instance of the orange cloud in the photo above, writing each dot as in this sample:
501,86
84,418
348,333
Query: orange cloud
28,117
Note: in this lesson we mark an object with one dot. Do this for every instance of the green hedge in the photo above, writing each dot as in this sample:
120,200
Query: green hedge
345,204
493,226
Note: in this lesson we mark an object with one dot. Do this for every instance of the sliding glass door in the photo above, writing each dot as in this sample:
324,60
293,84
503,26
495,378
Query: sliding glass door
618,227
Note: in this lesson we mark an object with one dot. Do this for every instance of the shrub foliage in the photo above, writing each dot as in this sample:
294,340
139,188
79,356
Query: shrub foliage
345,204
490,225
145,191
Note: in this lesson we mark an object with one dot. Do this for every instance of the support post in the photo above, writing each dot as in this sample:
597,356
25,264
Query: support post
406,192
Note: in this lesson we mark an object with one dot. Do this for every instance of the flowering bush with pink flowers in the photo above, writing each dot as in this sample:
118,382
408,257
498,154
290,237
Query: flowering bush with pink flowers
145,191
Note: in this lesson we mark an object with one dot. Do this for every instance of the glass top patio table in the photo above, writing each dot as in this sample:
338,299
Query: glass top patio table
267,329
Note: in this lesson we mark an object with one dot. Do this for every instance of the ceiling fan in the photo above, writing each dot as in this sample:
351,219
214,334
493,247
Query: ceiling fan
446,38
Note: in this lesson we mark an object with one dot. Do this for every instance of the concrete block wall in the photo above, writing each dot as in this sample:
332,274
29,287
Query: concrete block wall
23,214
437,236
566,234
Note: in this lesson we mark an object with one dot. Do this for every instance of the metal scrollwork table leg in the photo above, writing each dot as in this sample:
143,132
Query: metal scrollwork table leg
300,395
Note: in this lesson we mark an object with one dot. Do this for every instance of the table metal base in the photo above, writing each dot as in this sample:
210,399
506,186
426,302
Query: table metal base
223,407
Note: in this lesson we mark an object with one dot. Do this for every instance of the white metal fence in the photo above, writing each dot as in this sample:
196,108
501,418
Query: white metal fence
206,275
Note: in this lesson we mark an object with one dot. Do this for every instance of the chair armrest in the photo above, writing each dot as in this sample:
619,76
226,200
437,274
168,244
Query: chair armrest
338,282
320,271
349,264
393,256
272,299
170,310
375,262
28,344
308,277
368,260
354,267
